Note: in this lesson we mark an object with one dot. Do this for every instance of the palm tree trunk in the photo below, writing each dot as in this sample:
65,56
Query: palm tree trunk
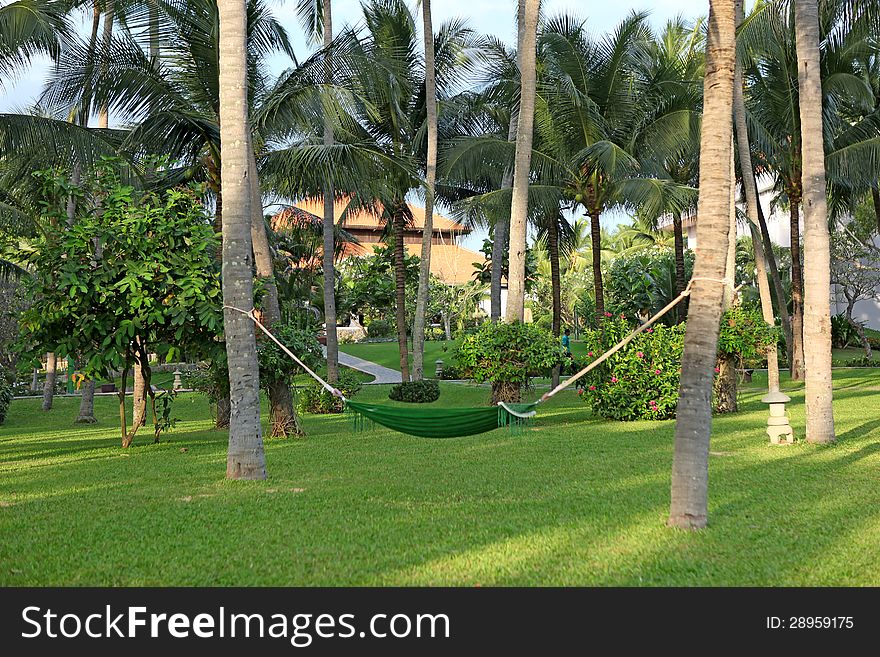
875,197
329,251
817,242
501,228
596,248
87,403
154,32
107,40
245,457
430,181
775,278
680,273
751,193
49,383
516,282
399,221
283,419
138,397
690,471
730,264
556,286
797,292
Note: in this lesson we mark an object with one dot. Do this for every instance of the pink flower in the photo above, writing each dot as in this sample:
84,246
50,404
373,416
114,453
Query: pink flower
649,330
640,355
590,354
717,371
622,316
657,371
592,387
613,379
607,314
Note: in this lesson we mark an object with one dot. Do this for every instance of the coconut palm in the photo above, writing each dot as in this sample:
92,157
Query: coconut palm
516,282
430,186
817,266
688,508
852,152
750,190
317,19
245,459
380,143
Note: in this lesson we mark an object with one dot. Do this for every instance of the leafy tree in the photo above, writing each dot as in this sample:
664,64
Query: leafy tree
508,355
135,276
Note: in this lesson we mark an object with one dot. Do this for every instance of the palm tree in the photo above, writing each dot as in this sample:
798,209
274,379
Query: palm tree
380,138
769,55
522,163
601,109
690,473
817,265
674,69
751,193
430,183
30,28
245,459
317,18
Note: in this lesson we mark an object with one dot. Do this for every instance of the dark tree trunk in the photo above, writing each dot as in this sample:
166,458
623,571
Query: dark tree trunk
797,294
87,404
283,418
123,420
726,385
499,248
875,196
224,408
556,286
775,280
596,239
400,289
49,383
680,276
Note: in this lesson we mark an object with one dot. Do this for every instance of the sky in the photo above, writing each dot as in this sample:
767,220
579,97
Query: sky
495,17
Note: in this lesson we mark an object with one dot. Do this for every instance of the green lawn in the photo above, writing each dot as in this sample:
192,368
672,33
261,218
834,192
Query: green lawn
388,355
572,501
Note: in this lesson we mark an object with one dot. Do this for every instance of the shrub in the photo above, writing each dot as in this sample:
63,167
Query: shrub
6,394
416,392
639,382
450,373
380,328
315,399
843,333
507,355
864,361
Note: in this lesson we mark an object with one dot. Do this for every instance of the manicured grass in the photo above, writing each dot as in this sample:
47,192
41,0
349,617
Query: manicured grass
573,500
388,355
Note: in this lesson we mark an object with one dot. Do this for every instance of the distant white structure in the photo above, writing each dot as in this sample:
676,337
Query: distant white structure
778,226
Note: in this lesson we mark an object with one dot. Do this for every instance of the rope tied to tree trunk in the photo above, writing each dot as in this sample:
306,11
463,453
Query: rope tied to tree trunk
251,313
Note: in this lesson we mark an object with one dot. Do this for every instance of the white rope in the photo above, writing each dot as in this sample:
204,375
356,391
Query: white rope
333,391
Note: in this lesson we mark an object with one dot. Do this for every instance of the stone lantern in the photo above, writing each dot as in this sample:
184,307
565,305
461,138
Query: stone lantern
178,382
778,427
438,369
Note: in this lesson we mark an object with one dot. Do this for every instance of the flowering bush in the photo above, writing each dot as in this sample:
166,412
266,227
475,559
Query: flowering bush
639,382
507,355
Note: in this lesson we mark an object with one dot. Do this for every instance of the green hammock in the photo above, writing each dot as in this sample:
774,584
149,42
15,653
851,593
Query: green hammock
455,422
440,422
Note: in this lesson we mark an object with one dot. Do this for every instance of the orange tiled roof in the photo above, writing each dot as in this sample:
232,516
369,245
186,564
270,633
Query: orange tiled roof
366,220
450,263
